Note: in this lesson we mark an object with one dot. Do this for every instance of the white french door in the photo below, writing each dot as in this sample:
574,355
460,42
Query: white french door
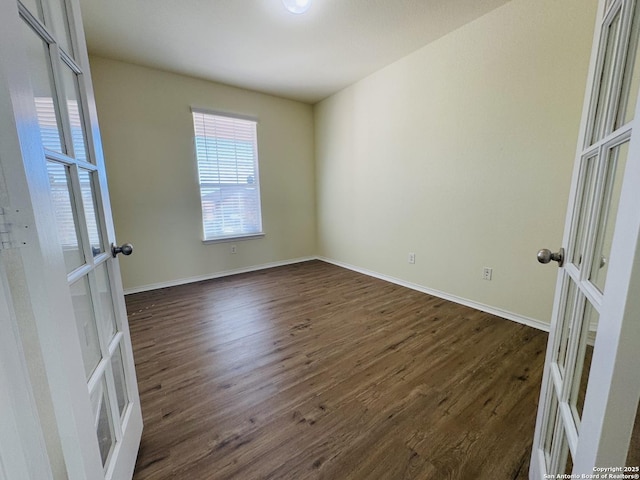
85,343
591,381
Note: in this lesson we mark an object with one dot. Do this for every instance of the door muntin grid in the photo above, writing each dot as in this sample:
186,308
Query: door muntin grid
601,168
72,175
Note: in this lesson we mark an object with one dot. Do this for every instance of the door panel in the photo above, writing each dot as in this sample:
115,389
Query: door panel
552,421
583,363
613,27
59,23
89,353
614,173
74,110
587,352
631,78
90,210
117,367
66,216
562,351
586,189
41,76
86,325
108,317
103,422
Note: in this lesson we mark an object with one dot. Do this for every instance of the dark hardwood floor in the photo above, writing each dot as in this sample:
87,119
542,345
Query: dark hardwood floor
312,371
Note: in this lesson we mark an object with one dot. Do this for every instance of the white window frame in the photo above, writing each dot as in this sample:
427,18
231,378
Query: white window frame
259,232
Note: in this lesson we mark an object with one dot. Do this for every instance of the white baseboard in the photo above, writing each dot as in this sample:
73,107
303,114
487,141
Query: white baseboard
226,273
531,322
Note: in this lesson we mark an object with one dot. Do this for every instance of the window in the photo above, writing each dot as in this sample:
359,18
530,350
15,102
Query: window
227,156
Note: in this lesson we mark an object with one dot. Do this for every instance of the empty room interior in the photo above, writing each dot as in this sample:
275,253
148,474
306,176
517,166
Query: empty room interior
335,217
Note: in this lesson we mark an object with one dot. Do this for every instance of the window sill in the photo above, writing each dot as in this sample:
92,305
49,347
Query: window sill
234,238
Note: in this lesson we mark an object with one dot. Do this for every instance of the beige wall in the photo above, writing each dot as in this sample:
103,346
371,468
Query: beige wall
461,152
147,132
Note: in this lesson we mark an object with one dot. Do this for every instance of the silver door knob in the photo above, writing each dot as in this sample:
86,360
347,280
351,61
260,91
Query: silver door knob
545,256
125,249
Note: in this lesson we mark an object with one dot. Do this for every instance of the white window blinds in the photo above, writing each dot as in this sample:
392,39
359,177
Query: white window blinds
227,156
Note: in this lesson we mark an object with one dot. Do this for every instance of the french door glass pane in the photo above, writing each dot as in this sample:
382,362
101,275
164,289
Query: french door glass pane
566,326
608,3
119,379
60,27
66,218
631,78
108,317
583,362
616,163
606,77
588,176
553,414
103,424
34,7
37,52
86,325
568,468
70,80
556,447
565,461
89,202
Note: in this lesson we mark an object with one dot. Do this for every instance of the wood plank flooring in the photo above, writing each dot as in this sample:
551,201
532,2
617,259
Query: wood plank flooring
312,371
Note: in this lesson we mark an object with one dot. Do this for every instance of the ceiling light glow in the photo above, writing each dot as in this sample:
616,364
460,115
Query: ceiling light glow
297,6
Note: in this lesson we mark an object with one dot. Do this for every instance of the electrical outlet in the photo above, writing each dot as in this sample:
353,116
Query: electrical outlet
233,249
487,272
412,257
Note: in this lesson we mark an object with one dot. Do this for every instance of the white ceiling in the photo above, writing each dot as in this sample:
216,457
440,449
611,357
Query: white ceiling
257,44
